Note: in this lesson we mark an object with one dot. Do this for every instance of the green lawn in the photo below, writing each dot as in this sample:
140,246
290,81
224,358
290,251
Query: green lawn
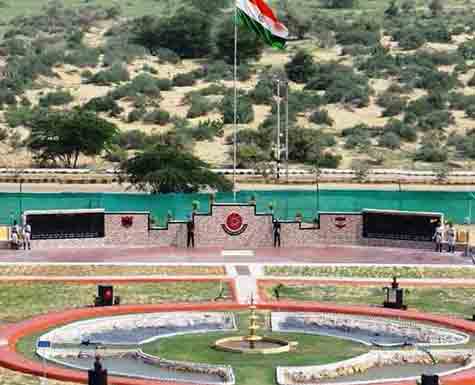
23,300
454,301
371,271
252,369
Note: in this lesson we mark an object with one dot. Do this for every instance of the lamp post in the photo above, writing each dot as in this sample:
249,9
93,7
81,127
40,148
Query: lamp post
287,132
277,149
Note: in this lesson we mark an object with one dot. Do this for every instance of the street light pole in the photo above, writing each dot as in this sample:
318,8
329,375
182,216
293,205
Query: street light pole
277,151
287,132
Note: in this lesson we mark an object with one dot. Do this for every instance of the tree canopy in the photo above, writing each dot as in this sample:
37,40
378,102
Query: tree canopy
165,169
187,33
63,136
250,47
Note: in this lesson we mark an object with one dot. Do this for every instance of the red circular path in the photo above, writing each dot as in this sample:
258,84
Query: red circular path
10,335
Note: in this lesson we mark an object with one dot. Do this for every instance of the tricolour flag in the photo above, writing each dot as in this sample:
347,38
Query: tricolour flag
260,18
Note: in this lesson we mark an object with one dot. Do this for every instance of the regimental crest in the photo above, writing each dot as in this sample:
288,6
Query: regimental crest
340,222
127,221
234,224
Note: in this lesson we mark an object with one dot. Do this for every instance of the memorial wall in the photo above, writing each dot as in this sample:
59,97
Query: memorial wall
231,226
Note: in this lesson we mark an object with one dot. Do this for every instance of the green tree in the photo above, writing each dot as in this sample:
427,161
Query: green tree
63,136
301,68
165,169
187,32
436,7
250,47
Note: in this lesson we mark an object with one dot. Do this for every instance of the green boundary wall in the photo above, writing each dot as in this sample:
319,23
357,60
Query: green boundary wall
457,206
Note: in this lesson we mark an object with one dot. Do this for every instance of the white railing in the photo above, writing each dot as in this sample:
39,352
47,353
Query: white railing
250,172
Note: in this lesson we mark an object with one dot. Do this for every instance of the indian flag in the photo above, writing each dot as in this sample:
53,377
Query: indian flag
260,18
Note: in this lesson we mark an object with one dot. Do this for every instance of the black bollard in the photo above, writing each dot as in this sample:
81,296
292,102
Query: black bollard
429,379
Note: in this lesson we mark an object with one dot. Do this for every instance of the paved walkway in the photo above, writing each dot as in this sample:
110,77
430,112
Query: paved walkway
323,254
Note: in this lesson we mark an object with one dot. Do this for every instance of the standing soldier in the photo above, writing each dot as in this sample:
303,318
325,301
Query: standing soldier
439,237
27,236
451,238
276,234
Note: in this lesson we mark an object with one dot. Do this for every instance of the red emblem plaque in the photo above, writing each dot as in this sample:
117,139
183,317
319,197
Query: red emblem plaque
127,221
234,224
340,222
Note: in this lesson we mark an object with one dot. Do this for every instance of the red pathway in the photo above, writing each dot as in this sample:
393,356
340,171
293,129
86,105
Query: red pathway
323,254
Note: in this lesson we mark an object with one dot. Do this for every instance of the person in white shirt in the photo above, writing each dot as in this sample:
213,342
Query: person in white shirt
439,237
27,237
451,238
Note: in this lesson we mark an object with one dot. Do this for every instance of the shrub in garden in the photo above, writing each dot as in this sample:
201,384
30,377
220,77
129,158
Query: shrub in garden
321,116
56,98
158,116
164,84
392,103
116,154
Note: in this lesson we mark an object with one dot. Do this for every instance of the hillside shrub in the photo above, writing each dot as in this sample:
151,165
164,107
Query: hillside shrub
132,140
157,116
208,130
301,68
184,80
263,93
467,49
390,140
121,50
166,55
405,131
115,74
56,98
321,116
164,84
436,120
431,150
470,111
357,137
136,114
103,104
199,106
83,56
245,111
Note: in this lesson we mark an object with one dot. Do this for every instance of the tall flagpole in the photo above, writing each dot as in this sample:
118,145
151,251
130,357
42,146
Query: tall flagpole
235,100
